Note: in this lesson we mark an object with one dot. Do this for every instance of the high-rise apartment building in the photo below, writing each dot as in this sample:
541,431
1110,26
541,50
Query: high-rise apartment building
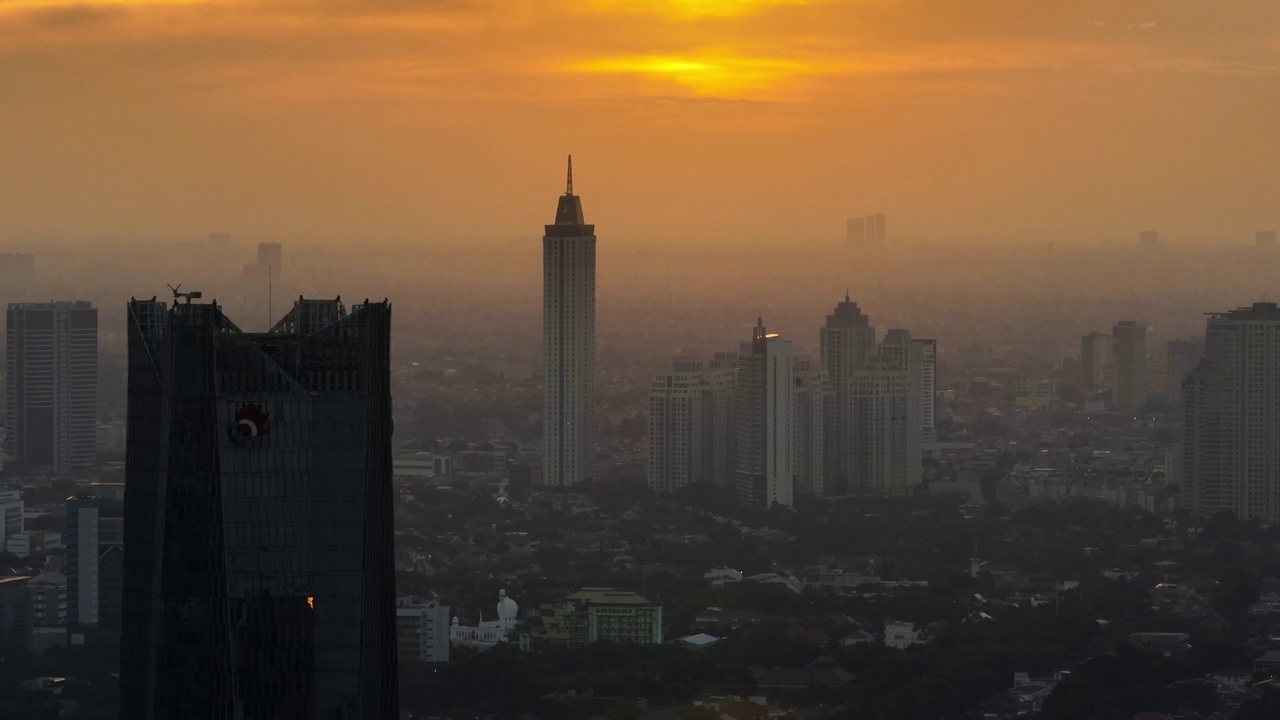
1181,357
764,413
95,558
1096,365
1231,417
723,375
680,419
259,575
422,630
810,401
15,615
52,386
569,344
928,389
1130,357
11,519
846,343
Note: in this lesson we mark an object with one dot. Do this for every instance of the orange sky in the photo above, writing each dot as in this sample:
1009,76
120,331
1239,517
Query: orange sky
689,120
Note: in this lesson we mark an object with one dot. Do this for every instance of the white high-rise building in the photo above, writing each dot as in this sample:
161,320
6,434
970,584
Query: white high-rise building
569,344
764,411
52,386
1231,417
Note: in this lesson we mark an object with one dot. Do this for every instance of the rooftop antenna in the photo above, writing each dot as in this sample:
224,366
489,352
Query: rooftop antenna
189,296
569,187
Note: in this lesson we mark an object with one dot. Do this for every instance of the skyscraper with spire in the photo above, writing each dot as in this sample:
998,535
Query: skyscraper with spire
569,343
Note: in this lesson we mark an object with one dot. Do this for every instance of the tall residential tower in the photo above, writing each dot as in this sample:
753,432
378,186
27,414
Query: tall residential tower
569,344
52,386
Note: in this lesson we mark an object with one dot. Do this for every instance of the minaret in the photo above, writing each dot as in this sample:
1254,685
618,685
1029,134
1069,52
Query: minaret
569,343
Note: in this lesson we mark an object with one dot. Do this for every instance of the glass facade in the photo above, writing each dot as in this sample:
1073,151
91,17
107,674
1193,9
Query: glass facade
259,577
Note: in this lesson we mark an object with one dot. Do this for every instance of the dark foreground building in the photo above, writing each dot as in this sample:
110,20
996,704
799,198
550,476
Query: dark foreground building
259,576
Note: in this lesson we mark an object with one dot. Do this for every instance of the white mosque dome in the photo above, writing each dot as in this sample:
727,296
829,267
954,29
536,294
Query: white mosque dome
507,608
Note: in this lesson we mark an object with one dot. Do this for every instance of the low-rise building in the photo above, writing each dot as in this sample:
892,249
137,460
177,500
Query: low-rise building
901,635
594,614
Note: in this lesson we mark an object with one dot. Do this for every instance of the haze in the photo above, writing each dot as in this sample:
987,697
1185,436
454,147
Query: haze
694,122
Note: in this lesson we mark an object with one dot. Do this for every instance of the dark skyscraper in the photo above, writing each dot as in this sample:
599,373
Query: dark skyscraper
259,576
52,385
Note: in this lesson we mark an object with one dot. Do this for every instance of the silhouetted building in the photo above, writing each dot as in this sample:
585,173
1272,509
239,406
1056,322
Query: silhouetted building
865,232
569,344
259,575
1231,417
94,539
52,386
810,401
1149,238
1096,364
846,343
928,389
220,239
1181,357
270,258
763,413
680,427
15,616
1130,357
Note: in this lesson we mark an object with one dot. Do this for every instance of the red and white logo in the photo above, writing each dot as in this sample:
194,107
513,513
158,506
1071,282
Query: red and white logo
252,424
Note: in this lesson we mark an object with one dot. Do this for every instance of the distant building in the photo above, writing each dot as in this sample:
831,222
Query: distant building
765,389
52,386
488,633
1265,238
1149,238
11,521
15,616
592,615
1096,364
928,389
846,342
1130,358
219,239
33,543
270,258
867,232
901,635
95,558
680,427
422,630
810,401
1231,417
569,344
48,599
1181,357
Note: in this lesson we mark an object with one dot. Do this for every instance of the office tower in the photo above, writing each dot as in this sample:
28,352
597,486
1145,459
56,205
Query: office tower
1130,358
220,239
1095,361
52,386
269,259
1181,357
1265,238
47,598
846,343
1149,238
928,390
95,558
16,268
15,615
11,521
422,630
763,413
680,414
723,373
569,340
259,575
811,397
865,232
1231,417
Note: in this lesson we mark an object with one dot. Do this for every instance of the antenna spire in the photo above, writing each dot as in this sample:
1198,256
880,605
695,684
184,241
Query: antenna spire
569,187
